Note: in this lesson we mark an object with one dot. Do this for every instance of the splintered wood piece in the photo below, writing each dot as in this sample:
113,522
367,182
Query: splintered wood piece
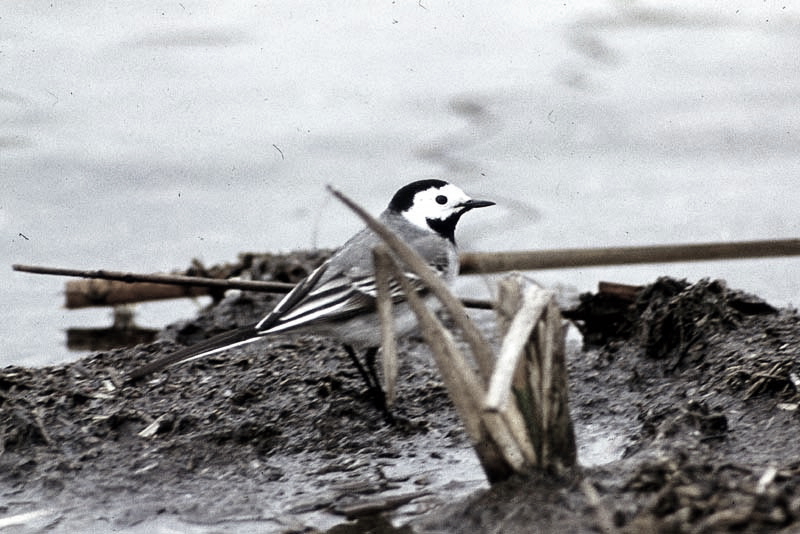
624,292
512,348
539,381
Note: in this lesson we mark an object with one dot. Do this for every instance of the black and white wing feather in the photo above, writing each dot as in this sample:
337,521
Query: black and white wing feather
337,299
309,303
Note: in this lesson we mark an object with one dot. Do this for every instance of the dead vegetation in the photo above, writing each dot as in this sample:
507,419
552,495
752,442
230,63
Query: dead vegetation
700,381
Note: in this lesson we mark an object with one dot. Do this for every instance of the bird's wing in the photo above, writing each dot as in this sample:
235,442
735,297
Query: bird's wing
338,298
293,298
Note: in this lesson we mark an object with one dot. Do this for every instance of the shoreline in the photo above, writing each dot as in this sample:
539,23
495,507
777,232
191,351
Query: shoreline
280,436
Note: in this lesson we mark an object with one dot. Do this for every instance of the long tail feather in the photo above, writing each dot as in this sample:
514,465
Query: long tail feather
223,341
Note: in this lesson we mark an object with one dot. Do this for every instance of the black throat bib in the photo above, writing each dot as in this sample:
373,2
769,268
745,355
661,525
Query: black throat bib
446,227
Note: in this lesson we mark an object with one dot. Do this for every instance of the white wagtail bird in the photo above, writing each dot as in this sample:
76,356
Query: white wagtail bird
338,298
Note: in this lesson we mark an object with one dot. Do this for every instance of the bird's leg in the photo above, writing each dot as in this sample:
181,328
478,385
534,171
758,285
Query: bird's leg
357,363
370,359
369,374
378,395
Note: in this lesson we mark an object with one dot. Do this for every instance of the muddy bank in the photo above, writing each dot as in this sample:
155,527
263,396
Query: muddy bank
694,383
702,383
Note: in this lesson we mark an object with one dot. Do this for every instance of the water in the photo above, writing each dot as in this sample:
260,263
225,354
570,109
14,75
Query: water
139,135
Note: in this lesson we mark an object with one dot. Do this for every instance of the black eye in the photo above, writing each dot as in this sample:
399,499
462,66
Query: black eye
441,199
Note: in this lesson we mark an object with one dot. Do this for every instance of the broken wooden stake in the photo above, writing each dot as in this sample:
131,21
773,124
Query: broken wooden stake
539,384
517,336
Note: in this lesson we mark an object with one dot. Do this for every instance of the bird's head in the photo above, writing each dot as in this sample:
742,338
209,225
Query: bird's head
434,205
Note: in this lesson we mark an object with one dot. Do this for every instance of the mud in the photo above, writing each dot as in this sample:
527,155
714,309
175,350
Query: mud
688,396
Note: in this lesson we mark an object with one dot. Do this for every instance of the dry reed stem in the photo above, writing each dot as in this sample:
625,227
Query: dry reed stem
530,260
480,348
455,373
495,444
126,287
384,305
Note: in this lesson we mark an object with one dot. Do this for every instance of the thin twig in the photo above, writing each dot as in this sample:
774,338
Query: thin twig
529,260
172,279
190,281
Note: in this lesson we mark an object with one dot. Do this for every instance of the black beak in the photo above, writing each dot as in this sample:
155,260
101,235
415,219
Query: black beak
469,204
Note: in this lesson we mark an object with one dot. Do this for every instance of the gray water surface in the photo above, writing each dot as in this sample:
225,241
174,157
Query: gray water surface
139,135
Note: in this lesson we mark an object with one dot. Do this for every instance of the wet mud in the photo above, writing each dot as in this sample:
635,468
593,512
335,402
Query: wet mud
685,400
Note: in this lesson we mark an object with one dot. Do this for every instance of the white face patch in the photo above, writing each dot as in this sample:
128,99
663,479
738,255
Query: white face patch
437,203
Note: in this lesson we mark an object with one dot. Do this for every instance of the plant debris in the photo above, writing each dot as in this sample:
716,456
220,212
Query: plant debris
696,383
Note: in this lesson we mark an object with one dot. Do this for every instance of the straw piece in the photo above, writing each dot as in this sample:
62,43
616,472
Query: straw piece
383,302
496,446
